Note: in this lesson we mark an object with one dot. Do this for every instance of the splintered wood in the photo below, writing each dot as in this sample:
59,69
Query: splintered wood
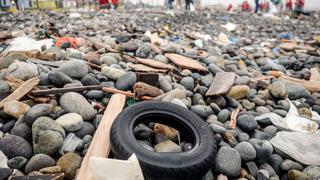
144,68
154,63
221,84
186,63
100,145
233,119
21,91
313,85
143,89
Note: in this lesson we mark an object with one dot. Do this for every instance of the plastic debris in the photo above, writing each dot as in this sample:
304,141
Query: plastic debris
113,169
303,147
292,121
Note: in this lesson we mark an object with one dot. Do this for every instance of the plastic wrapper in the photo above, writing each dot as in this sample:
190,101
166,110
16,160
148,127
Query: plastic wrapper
303,147
113,169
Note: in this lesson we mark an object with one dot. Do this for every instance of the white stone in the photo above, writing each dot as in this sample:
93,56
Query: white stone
70,121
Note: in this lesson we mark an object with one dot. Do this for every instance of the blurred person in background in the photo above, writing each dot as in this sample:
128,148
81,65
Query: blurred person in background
170,4
179,4
299,5
189,5
21,5
289,5
245,6
256,10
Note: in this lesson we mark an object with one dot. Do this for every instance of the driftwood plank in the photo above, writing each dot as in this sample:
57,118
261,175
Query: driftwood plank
221,84
100,145
21,91
186,62
233,118
64,90
58,176
313,85
144,68
154,63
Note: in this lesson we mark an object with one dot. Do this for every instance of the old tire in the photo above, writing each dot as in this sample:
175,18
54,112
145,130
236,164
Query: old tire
192,164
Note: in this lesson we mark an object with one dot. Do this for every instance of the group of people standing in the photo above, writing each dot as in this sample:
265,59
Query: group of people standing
299,4
188,4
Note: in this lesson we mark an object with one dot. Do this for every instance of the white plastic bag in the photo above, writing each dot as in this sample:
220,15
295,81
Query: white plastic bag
25,43
292,122
303,147
192,7
113,169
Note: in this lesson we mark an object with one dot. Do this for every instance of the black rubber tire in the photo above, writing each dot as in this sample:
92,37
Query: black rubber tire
190,165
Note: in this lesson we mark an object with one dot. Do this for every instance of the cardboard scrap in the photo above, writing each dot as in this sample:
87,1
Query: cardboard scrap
154,63
100,145
144,68
185,62
221,84
313,85
21,91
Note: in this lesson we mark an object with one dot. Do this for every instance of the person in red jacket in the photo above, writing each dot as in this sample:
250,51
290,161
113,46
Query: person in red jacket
289,5
108,4
245,7
299,7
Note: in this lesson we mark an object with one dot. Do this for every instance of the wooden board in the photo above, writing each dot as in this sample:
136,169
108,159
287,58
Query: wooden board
185,62
154,63
221,84
313,85
58,176
21,91
100,144
144,68
64,90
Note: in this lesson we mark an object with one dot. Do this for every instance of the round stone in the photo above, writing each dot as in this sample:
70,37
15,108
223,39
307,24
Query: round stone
263,150
86,129
202,110
38,162
69,164
312,171
297,91
288,164
247,122
108,60
4,87
188,83
278,90
272,130
22,70
246,151
112,73
89,81
74,102
143,51
126,81
243,137
74,68
12,146
70,122
228,162
48,136
223,115
130,46
263,175
23,130
275,161
17,162
59,79
238,92
37,111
